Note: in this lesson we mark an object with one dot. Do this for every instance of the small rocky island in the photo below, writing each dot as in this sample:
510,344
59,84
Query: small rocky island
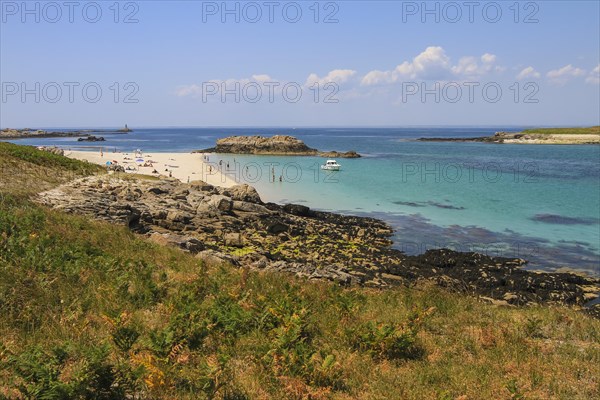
91,138
534,136
280,145
234,225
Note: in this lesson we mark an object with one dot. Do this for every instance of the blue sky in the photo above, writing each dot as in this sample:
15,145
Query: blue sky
375,63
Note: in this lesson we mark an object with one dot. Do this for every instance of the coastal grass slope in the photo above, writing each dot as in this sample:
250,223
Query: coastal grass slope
594,130
91,310
24,170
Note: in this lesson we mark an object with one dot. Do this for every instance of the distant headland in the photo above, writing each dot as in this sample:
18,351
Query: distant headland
589,135
274,145
27,133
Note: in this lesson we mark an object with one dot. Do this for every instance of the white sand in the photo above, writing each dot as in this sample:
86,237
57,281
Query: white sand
183,166
556,139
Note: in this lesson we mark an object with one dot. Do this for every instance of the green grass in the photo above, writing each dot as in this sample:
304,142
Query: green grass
24,170
51,161
90,310
594,130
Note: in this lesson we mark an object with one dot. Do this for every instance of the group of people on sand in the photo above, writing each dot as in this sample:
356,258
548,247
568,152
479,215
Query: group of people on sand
226,166
223,165
102,151
138,154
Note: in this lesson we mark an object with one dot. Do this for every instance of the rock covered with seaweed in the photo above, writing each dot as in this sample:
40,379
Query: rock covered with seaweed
234,225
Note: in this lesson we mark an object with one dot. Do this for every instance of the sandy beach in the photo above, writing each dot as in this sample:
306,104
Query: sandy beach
556,139
186,167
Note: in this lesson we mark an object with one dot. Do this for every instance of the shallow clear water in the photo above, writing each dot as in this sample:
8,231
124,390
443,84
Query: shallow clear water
541,203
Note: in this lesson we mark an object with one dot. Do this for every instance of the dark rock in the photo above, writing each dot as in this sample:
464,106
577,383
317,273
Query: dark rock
274,226
337,154
157,190
91,138
296,209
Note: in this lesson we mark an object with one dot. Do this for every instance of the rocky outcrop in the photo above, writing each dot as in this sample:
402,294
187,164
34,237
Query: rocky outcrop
337,154
91,138
233,225
52,149
278,144
275,145
115,168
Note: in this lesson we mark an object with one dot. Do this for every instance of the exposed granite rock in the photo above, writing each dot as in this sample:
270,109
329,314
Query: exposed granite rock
278,144
52,149
233,225
116,168
245,193
274,145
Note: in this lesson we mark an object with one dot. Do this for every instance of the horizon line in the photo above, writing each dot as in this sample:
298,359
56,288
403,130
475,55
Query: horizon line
305,126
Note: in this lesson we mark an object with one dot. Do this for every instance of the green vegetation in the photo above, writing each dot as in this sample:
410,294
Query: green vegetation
24,170
90,310
594,130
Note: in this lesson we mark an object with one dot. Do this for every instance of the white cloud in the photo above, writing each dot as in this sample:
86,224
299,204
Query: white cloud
472,67
562,75
195,90
262,78
338,76
430,63
594,76
528,73
188,90
377,77
433,63
488,58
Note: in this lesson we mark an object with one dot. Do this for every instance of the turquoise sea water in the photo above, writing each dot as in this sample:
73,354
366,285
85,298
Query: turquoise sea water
541,203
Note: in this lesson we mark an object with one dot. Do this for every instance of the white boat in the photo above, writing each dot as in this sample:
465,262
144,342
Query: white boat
331,165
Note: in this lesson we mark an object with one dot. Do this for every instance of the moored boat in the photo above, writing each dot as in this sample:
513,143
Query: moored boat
331,165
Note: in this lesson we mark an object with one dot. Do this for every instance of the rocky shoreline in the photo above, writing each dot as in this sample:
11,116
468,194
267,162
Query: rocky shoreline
274,145
524,138
6,134
233,225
